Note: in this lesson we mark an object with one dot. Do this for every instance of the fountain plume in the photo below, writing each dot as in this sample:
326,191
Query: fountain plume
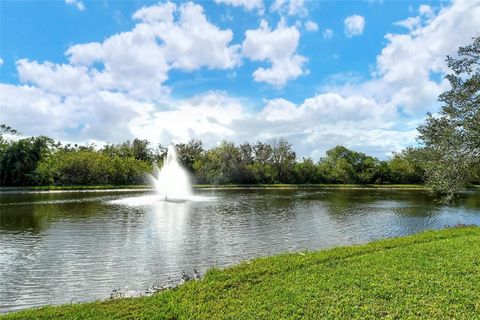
172,181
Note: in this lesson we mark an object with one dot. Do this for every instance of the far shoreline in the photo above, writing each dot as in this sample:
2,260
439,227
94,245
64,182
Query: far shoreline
140,188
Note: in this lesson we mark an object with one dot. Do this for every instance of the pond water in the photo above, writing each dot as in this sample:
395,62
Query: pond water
78,246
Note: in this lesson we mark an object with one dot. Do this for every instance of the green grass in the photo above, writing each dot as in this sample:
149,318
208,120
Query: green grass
431,275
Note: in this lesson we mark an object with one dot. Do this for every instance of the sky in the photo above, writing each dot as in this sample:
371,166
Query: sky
362,74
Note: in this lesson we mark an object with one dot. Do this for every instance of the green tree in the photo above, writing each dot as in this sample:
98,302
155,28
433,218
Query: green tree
188,153
90,167
342,165
138,149
19,160
405,167
220,165
306,172
283,160
451,138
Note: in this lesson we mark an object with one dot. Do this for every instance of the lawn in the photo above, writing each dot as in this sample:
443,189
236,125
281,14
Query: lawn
431,275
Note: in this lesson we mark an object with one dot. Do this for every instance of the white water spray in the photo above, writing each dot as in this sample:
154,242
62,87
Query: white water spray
172,181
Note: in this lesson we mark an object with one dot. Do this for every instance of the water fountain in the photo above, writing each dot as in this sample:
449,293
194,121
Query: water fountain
172,185
171,181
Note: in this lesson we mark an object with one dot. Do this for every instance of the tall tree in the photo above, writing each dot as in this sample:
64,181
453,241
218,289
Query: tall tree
451,138
283,158
189,152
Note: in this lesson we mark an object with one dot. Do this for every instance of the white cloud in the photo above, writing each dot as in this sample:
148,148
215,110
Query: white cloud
79,4
311,26
326,120
354,25
278,47
248,5
328,33
104,116
410,23
403,74
138,61
1,62
208,116
425,10
290,7
59,79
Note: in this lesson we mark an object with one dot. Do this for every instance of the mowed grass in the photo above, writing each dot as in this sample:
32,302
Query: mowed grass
431,275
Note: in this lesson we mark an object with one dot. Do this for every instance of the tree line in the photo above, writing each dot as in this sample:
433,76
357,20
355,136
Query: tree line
42,161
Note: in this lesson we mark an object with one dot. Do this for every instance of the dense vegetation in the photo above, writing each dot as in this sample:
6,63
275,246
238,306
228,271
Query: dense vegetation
41,161
431,275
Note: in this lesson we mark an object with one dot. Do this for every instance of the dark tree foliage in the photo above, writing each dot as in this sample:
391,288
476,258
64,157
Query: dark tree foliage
19,159
138,149
451,139
342,165
407,167
189,152
283,160
90,167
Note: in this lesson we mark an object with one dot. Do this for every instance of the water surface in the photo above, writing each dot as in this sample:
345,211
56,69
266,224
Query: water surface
78,246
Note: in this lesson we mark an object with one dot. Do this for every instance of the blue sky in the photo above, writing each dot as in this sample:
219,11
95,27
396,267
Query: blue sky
319,73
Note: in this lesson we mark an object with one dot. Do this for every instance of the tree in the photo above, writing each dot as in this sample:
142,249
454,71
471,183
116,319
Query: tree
6,131
405,167
19,160
306,172
283,158
189,152
451,139
138,149
220,165
342,165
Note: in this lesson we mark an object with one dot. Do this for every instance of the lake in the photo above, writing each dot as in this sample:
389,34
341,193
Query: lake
63,247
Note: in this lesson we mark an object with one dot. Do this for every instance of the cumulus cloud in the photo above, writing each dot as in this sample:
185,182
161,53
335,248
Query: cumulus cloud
406,65
325,120
137,62
208,116
104,116
354,25
328,33
289,7
248,5
278,47
425,12
410,23
78,4
311,26
62,79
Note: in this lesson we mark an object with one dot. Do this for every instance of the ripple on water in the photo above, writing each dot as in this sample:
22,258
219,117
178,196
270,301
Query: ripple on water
60,248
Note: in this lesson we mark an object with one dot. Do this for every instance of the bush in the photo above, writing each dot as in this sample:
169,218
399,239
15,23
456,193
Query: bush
88,167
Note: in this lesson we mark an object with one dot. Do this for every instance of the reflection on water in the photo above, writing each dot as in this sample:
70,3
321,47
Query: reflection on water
63,247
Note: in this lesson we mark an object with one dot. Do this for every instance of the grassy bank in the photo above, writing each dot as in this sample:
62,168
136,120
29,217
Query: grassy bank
431,275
